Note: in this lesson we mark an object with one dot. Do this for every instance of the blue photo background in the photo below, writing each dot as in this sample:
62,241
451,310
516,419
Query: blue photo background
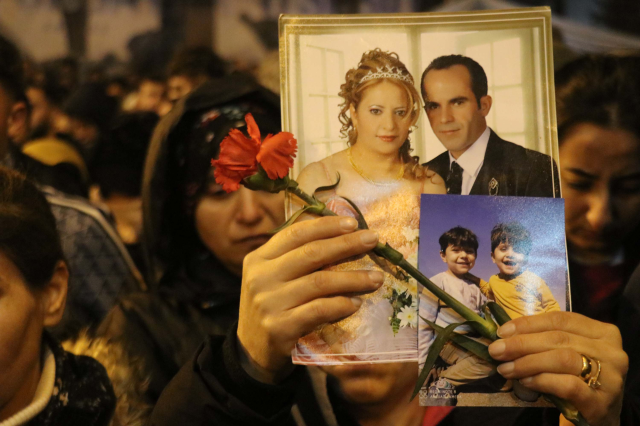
543,217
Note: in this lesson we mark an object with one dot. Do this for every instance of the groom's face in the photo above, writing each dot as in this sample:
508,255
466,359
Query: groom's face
452,108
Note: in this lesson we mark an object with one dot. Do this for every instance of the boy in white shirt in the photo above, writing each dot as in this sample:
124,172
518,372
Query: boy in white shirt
458,249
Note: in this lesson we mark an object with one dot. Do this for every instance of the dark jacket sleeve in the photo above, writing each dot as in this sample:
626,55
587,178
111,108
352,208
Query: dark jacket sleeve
627,321
214,389
543,178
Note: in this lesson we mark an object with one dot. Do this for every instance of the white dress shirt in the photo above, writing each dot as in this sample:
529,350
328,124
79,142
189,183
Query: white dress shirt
471,161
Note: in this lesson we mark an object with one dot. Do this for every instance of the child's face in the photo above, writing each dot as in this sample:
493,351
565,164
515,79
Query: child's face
508,261
459,260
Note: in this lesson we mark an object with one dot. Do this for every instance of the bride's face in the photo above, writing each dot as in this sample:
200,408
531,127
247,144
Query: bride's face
382,118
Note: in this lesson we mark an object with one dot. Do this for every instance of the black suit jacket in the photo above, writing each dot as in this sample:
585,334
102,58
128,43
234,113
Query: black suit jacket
509,169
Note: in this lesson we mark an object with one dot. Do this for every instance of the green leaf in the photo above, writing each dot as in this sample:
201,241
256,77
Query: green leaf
292,219
436,347
328,187
498,313
478,349
362,223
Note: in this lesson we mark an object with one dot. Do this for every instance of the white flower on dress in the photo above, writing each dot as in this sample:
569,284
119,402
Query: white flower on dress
413,259
412,288
400,286
411,234
408,317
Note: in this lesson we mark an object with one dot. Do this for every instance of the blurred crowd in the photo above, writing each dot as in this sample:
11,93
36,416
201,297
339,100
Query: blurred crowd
129,231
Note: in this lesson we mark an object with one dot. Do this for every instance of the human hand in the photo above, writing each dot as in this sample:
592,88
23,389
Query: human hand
544,352
285,295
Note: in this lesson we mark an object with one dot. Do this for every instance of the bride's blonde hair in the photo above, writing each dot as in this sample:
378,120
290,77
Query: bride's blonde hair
353,89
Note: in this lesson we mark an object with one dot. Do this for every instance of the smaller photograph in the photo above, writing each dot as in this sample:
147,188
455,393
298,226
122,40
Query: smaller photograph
509,250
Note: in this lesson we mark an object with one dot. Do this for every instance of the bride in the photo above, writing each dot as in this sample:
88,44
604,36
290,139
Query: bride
379,174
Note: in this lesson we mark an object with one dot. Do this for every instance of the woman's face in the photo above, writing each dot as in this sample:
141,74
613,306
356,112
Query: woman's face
233,225
600,170
21,324
382,118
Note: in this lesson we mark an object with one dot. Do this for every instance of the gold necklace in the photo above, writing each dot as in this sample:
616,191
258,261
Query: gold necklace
365,177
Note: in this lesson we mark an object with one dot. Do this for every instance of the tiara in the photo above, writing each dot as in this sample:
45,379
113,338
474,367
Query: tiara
385,72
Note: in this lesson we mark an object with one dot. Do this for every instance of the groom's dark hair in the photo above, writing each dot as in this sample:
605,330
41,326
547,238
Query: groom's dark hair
479,85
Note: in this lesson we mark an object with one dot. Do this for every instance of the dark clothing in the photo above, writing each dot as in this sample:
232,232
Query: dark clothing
214,389
64,177
597,292
99,265
162,332
82,396
509,169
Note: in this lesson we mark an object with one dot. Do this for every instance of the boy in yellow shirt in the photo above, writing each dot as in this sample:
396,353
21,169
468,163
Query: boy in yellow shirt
519,291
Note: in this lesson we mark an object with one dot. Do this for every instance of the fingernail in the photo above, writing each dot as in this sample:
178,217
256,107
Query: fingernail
376,277
348,223
497,348
507,330
526,381
506,368
356,301
369,237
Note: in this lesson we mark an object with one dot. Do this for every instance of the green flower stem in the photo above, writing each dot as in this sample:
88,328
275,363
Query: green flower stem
312,201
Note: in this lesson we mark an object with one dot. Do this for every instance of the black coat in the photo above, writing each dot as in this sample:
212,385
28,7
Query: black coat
518,171
82,396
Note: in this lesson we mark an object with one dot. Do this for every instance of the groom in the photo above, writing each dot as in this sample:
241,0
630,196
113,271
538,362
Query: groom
477,160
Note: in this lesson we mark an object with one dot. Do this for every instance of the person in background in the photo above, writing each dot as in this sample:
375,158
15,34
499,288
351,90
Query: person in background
40,383
598,105
100,267
190,68
196,236
151,95
598,102
14,119
118,175
45,99
44,143
89,113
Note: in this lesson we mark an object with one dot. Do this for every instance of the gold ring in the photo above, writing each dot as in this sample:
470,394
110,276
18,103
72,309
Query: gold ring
593,380
587,374
586,366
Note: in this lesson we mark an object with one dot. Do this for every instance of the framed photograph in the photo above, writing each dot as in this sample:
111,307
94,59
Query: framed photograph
388,107
510,250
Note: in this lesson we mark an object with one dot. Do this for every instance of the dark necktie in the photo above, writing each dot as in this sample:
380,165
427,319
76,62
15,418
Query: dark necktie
454,180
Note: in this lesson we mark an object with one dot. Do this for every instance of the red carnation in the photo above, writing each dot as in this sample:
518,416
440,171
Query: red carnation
276,154
237,159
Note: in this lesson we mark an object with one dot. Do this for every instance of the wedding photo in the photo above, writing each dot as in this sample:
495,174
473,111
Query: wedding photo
503,58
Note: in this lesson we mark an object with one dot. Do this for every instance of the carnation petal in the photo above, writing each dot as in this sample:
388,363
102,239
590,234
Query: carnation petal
252,127
276,154
229,182
236,161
